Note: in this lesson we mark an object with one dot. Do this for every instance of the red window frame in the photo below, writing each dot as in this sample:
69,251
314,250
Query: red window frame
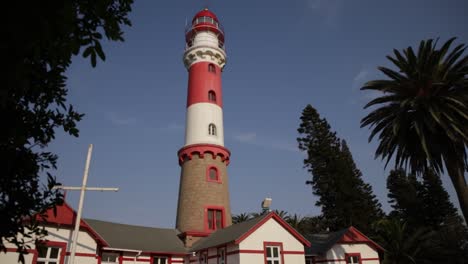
214,218
208,176
61,245
273,244
347,255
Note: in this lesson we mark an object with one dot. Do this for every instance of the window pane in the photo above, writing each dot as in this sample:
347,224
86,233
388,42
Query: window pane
40,262
42,251
219,219
269,262
213,174
275,252
210,219
268,252
54,253
276,262
162,261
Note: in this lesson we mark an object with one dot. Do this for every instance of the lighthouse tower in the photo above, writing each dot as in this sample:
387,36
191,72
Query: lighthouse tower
203,204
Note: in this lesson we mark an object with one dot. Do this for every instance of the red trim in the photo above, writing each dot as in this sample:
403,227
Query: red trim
208,178
347,255
65,217
292,252
273,244
201,81
355,236
369,259
329,260
283,223
178,261
82,254
207,13
138,259
201,149
223,217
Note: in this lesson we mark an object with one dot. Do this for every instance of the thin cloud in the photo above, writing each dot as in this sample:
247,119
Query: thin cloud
328,10
252,139
246,137
120,120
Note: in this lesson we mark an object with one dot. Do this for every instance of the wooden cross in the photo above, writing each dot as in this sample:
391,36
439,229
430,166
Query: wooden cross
82,190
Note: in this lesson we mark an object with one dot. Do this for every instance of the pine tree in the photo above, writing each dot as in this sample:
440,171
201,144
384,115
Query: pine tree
342,194
425,204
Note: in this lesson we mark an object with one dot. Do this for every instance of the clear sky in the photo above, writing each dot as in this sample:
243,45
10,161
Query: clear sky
282,55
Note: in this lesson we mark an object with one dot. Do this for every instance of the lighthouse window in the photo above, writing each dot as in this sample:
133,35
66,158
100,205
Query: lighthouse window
212,96
211,68
212,130
214,219
212,174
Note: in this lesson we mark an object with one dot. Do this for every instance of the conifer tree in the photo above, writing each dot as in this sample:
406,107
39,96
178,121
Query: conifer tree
425,204
343,196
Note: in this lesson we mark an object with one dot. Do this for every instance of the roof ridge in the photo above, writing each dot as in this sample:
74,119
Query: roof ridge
132,225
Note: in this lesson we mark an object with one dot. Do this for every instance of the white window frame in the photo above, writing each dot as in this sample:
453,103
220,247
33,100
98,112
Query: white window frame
159,258
271,259
349,259
110,254
47,259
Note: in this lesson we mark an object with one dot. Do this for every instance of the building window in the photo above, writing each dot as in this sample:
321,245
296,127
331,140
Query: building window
160,260
353,258
212,129
273,254
212,174
211,68
211,96
203,257
48,254
109,258
221,255
214,219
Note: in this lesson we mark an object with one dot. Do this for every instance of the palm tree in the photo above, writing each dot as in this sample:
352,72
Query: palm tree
401,245
282,214
240,218
422,116
297,222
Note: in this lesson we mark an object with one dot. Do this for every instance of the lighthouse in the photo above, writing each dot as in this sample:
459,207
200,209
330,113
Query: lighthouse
203,203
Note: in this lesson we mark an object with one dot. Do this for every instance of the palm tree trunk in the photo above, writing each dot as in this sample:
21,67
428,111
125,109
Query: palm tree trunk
457,175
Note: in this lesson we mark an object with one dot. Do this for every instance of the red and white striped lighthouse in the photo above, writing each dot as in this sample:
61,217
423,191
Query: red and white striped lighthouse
203,205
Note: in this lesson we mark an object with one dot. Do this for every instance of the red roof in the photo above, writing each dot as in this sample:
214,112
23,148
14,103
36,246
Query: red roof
355,236
65,216
205,13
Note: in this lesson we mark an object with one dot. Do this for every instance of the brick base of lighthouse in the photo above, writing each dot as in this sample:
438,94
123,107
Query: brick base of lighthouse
197,194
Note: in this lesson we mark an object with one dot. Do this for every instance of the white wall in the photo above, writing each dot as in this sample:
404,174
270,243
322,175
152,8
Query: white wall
199,116
86,245
338,252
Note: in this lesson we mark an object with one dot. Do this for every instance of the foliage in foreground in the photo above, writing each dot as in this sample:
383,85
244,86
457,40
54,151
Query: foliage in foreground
421,118
38,44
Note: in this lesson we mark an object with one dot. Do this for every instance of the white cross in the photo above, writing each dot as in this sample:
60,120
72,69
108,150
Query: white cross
83,190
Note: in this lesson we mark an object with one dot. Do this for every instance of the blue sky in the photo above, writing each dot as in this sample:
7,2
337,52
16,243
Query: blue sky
282,55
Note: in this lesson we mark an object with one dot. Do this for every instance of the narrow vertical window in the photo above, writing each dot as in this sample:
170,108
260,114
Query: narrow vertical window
221,256
273,254
211,68
211,96
212,129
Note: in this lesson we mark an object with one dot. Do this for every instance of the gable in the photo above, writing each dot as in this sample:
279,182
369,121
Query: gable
271,231
354,236
65,216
